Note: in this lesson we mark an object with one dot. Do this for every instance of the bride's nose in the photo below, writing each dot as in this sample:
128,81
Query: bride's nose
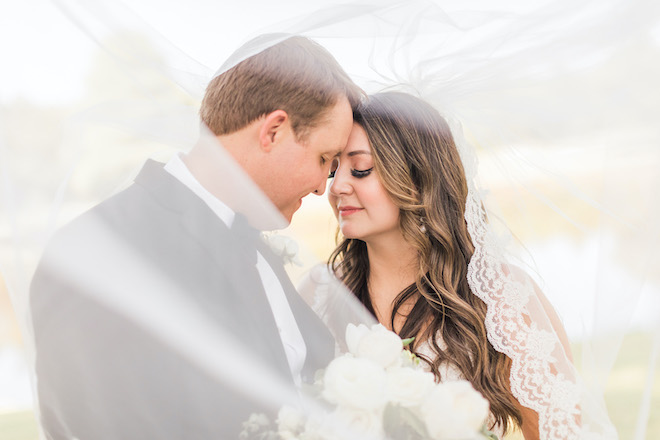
340,184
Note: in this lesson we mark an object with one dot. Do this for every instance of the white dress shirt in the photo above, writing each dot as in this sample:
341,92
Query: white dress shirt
292,340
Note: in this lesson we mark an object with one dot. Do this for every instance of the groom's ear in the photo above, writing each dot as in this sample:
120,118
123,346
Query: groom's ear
272,129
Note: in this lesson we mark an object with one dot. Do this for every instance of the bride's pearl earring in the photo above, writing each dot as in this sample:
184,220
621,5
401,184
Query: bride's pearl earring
422,227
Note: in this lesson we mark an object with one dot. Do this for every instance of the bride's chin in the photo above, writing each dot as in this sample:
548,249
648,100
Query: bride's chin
351,234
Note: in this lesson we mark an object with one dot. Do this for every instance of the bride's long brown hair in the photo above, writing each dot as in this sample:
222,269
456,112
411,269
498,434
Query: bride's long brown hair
419,165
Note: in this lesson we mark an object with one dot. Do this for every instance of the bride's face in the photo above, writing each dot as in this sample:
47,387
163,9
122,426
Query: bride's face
363,208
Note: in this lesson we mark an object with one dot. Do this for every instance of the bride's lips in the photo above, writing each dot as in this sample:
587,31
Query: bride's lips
348,210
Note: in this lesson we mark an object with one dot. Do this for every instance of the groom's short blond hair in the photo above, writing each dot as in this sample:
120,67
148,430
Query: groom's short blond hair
296,75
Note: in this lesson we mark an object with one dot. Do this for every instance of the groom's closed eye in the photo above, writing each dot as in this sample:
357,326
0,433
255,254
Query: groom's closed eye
333,168
324,158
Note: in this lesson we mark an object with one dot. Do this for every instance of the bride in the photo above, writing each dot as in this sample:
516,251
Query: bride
399,192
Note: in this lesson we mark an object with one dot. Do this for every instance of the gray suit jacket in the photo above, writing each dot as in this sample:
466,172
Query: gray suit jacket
102,374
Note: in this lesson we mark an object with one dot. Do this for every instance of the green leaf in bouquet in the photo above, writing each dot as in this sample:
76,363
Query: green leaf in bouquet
403,424
490,435
407,342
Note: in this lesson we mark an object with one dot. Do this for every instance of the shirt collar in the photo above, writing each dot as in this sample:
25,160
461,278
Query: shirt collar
176,167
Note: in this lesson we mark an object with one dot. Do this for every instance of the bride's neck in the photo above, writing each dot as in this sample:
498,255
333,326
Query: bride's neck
393,266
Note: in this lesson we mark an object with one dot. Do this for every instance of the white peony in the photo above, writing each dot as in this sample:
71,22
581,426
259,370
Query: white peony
326,427
376,344
360,424
355,383
354,335
454,410
290,422
408,387
256,424
321,428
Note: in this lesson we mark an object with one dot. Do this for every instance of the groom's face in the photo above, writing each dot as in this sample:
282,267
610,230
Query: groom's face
302,167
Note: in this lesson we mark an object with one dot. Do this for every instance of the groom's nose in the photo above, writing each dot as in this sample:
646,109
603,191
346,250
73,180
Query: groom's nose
320,189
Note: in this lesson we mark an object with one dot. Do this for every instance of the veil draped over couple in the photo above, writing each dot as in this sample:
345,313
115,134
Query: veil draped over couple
167,309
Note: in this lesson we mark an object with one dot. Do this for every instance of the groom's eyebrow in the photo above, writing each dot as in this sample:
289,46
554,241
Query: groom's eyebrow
356,152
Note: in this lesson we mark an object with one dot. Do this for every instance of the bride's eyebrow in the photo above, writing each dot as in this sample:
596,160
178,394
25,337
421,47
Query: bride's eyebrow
356,152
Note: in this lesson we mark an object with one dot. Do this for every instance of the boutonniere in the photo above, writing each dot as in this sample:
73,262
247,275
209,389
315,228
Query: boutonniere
283,246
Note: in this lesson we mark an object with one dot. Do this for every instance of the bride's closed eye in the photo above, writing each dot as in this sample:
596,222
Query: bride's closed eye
355,173
361,173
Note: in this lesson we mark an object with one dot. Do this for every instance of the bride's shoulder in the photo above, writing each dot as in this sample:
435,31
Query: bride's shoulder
523,289
507,277
519,275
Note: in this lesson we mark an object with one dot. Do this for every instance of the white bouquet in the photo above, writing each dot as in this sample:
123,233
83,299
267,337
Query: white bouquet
379,390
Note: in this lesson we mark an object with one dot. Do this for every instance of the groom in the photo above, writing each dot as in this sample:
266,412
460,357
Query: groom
125,295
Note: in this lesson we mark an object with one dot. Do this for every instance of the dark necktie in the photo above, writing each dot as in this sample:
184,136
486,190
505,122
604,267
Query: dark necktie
246,237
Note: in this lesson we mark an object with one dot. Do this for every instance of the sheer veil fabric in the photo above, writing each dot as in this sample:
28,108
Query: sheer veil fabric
578,75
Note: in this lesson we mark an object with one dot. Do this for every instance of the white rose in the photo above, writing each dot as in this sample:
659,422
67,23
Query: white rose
408,387
344,423
326,427
377,344
287,435
354,335
255,424
454,410
290,422
320,429
359,424
355,383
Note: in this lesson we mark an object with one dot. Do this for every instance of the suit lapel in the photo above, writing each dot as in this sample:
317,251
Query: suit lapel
232,260
318,339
